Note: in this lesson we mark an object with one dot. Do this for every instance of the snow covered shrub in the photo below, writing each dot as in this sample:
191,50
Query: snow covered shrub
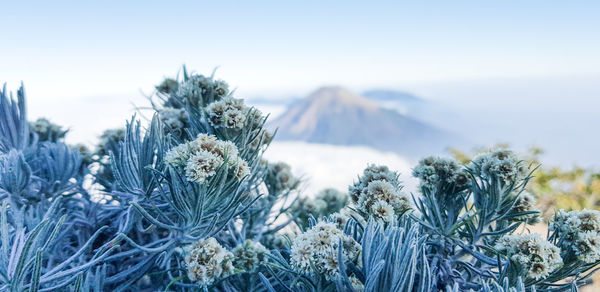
186,202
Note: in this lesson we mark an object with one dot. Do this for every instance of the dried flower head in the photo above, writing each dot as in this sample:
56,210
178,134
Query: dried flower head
249,255
525,202
502,165
436,172
207,261
378,194
536,257
279,178
200,90
227,113
317,249
579,233
202,157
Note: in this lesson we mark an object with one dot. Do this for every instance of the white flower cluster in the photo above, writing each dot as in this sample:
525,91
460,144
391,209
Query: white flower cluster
318,248
198,89
378,193
525,202
174,118
502,165
532,254
207,261
249,255
227,113
202,157
279,177
433,171
579,232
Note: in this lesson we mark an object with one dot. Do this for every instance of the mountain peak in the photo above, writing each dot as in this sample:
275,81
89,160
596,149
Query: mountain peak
336,97
334,115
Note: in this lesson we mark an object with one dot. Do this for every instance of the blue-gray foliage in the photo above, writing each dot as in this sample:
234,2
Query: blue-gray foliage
150,210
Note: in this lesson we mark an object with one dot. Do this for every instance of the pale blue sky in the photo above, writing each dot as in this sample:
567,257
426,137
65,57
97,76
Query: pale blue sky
524,72
87,48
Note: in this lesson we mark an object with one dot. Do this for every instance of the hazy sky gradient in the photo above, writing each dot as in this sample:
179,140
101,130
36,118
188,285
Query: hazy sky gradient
75,49
524,72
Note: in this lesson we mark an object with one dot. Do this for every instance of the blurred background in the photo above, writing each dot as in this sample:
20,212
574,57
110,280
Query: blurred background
346,83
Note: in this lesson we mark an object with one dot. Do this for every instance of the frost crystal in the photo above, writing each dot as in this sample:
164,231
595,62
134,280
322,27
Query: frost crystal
318,248
534,255
207,261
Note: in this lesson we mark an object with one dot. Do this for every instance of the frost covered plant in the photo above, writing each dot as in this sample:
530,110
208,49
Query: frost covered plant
436,172
533,256
525,204
153,227
502,165
578,234
46,130
227,113
316,250
202,157
200,90
378,193
279,177
249,255
174,118
207,261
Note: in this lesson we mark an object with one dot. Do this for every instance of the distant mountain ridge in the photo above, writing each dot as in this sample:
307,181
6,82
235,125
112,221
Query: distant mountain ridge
334,115
391,95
